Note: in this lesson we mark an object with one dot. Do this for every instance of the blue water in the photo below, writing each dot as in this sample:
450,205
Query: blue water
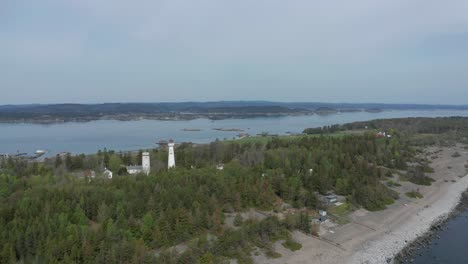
89,137
452,246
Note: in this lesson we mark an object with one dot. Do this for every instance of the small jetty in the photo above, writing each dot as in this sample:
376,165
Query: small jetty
229,129
23,155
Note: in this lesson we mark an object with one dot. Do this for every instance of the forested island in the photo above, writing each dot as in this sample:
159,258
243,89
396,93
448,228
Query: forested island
56,113
269,188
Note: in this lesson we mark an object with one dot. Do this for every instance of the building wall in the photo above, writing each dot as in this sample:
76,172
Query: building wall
145,162
171,159
133,171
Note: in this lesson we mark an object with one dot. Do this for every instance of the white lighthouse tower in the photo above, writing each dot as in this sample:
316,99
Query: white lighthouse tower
145,163
171,158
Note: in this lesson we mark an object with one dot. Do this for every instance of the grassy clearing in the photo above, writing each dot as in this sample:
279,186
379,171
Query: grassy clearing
340,213
341,209
415,195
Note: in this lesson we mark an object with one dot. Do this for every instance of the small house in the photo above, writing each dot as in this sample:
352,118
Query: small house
323,215
107,173
134,169
145,165
89,174
331,198
380,134
220,166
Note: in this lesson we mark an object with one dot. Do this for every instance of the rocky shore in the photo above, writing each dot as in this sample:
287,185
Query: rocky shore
379,237
408,253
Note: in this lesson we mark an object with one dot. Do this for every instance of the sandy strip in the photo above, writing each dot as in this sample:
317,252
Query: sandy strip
376,237
385,247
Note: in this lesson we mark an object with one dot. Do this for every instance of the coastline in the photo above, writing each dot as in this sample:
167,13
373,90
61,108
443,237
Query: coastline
378,237
440,202
407,253
388,248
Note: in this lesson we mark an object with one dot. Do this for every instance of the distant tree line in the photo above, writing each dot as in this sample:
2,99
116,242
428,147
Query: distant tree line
323,130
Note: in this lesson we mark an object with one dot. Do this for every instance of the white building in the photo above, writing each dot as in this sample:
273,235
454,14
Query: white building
107,173
145,165
220,166
134,169
171,158
323,215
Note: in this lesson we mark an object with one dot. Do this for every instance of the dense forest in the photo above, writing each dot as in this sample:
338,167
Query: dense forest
416,125
418,130
50,213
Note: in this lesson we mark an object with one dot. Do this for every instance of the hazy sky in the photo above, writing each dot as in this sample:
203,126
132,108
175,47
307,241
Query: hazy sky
402,51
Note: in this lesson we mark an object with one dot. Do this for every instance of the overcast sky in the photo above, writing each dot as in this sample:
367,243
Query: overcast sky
88,51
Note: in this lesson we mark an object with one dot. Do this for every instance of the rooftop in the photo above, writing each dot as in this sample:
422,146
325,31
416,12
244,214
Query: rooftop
134,168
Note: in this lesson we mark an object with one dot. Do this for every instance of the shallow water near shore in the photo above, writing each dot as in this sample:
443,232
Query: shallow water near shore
449,245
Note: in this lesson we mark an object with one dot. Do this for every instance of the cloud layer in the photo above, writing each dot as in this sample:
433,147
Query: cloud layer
174,50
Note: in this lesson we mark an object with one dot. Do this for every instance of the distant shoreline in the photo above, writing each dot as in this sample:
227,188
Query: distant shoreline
63,113
123,118
45,120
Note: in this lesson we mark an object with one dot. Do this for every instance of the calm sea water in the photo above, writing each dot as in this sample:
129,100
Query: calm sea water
452,246
89,137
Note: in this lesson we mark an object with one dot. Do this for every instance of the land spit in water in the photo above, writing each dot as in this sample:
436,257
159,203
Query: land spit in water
378,237
229,129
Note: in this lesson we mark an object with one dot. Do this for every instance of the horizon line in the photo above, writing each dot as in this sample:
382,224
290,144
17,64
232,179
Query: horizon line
234,101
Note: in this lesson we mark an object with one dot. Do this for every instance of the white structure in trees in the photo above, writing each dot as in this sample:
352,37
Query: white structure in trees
145,162
145,165
107,173
171,158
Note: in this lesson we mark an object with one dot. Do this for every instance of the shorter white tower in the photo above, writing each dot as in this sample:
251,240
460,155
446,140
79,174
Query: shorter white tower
171,158
145,162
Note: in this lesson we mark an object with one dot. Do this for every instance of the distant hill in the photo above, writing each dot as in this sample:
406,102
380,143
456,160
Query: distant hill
189,110
323,110
245,109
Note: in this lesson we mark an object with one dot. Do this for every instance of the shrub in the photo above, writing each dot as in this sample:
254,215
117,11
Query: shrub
416,175
414,194
238,220
272,254
292,245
